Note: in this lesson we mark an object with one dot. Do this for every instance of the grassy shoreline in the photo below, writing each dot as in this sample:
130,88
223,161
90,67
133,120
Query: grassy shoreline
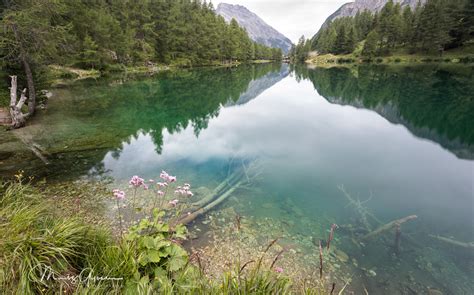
41,245
461,56
61,75
405,59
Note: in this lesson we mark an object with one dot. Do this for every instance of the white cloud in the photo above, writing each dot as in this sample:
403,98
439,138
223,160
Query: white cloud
292,18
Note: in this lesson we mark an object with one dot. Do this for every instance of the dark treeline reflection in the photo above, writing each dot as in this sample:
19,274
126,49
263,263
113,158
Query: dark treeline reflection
93,117
433,102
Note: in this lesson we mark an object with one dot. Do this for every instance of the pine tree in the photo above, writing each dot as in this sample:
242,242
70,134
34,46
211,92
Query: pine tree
340,44
370,46
407,25
435,22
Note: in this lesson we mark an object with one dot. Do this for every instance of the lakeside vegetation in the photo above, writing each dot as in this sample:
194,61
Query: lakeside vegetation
436,31
45,252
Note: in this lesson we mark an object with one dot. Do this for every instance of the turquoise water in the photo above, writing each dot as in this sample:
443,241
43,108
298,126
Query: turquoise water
400,140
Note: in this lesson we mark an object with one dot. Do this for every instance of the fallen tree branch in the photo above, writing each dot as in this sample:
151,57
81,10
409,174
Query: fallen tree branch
218,190
363,212
388,226
192,216
454,242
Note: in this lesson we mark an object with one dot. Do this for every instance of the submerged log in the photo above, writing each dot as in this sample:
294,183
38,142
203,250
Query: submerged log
218,190
388,226
192,216
454,242
34,147
362,211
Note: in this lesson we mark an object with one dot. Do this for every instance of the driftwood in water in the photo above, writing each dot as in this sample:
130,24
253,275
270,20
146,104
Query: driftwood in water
192,216
363,212
37,149
454,242
17,116
388,226
219,189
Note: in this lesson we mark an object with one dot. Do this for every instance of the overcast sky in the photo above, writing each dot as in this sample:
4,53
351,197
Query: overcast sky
292,18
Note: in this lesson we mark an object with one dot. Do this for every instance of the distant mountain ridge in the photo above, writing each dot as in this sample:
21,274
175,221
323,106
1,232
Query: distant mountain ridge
351,8
258,29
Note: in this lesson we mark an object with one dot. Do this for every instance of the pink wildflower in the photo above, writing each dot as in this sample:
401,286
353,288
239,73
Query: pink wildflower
164,175
174,202
118,194
151,180
136,181
161,193
184,190
278,269
162,184
171,178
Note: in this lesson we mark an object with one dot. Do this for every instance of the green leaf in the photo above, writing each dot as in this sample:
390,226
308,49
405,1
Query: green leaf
180,232
176,263
160,272
157,213
143,259
176,250
153,256
160,243
148,242
162,227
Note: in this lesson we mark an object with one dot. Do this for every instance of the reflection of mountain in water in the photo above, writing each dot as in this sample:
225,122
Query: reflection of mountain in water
257,86
431,102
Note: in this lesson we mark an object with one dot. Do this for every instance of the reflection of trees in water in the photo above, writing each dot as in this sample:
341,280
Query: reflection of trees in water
433,102
95,117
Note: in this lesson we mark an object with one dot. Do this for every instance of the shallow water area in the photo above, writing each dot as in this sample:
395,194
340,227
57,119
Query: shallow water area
357,147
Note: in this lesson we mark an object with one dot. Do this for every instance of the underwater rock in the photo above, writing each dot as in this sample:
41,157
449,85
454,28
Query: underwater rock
371,273
341,255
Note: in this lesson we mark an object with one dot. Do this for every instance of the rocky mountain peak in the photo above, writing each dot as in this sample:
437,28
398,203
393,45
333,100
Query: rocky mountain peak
258,29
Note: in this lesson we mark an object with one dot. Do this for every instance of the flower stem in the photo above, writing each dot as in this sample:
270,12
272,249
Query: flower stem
134,196
120,218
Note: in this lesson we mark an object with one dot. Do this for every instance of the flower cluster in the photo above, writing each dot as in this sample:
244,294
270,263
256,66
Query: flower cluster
162,184
166,177
184,190
118,194
173,202
278,269
137,181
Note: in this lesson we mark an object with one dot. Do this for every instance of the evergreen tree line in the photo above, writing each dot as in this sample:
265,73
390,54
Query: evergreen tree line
105,34
431,28
95,33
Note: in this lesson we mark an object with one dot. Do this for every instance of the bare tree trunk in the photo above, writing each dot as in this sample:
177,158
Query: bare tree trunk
388,226
28,73
18,118
31,86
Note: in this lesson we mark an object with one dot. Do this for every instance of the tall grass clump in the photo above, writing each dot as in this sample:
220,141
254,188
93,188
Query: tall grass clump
35,244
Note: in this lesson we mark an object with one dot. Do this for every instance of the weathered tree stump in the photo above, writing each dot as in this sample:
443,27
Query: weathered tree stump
18,119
